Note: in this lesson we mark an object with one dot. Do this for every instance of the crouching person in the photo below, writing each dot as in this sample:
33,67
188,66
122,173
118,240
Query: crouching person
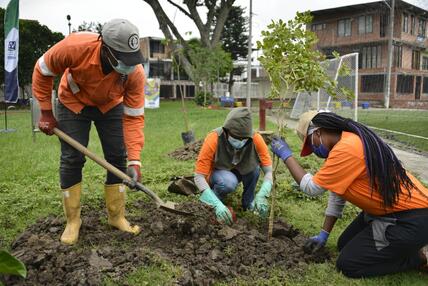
232,154
389,234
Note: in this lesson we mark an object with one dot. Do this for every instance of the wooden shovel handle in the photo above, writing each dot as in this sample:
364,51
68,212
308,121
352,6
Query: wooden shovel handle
103,163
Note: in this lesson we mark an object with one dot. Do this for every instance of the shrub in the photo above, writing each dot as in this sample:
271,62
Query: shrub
199,98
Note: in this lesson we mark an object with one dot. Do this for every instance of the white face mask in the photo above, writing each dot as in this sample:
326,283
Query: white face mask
237,144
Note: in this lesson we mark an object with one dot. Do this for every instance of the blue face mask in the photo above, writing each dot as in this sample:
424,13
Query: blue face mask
237,144
321,151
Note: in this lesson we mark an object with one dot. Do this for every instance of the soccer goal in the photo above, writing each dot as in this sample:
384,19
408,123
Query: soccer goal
343,70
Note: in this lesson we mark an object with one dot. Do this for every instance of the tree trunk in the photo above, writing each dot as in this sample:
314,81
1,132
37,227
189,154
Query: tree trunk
172,34
230,83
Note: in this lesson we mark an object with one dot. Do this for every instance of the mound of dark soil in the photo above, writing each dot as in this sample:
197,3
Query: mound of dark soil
207,252
188,152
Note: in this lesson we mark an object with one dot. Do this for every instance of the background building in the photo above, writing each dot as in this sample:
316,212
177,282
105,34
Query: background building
159,64
364,28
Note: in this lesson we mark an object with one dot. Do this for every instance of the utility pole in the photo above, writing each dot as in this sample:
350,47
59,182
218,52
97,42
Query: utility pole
248,103
390,52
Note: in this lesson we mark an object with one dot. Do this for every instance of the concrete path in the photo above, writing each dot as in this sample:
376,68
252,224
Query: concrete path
415,163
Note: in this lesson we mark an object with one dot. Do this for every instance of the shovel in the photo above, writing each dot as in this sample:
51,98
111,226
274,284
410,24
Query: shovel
168,206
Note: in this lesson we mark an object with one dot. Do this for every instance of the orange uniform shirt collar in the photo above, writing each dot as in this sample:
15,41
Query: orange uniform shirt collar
96,56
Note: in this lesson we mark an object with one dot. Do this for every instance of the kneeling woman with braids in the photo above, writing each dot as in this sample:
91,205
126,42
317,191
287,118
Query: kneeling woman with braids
390,233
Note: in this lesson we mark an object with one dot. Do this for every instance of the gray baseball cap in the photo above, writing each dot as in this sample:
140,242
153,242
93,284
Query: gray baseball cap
122,37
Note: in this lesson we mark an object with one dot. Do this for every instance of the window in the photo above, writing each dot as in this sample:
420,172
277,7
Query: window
398,56
405,83
416,60
156,47
370,57
384,20
412,24
405,23
422,24
425,85
344,28
372,83
425,63
365,24
160,69
319,27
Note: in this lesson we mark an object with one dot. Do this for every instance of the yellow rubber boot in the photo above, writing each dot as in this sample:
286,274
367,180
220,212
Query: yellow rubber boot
115,201
71,204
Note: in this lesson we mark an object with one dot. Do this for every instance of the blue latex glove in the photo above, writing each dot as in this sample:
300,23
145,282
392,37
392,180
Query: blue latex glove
316,242
260,202
280,148
222,213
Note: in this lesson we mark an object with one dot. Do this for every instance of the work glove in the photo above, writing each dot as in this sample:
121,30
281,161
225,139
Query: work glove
260,202
222,213
280,148
316,242
134,171
47,122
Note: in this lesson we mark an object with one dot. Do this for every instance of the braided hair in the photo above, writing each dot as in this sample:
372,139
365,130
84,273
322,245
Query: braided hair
385,171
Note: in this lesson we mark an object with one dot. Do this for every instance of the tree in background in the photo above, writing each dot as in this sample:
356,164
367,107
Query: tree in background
208,64
216,12
34,40
89,27
235,39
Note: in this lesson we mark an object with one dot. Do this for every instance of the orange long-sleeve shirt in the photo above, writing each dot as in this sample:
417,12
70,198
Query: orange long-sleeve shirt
77,58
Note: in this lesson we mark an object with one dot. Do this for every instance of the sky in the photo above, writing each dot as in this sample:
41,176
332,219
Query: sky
53,13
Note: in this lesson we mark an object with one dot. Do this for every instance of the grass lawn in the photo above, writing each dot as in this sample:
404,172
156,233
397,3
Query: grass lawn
414,122
29,189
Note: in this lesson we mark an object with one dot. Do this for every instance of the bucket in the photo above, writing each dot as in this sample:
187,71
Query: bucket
365,105
238,104
188,137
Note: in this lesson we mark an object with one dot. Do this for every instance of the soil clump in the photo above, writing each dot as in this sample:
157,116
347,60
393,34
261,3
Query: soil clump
207,252
187,152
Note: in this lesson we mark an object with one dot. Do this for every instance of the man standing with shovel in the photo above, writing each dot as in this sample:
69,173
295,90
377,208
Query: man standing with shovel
102,82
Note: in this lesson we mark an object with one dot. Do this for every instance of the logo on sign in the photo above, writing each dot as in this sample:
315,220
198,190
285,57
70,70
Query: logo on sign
11,46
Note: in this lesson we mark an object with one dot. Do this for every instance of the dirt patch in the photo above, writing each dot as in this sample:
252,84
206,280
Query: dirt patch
188,152
207,252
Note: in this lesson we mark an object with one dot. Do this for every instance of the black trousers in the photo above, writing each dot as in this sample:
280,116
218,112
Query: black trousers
374,246
110,131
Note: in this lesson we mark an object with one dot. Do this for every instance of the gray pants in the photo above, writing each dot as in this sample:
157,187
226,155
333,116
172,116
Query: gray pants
110,131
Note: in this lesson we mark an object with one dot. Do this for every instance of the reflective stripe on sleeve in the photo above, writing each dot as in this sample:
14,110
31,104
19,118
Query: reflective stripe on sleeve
72,84
44,68
133,111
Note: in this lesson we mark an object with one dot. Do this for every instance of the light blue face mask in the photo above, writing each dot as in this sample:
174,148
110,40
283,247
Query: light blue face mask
122,68
236,143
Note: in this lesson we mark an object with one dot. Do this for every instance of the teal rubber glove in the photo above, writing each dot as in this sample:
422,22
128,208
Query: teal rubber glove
222,213
260,202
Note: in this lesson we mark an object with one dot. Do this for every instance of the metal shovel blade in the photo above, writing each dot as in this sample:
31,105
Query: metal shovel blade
168,206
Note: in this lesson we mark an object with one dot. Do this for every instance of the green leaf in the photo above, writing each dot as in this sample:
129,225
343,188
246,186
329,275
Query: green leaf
11,265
